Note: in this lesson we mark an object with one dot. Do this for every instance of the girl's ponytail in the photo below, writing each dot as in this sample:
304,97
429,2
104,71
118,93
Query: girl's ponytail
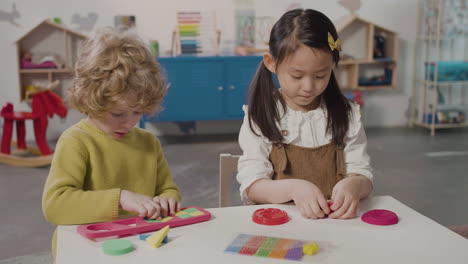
263,111
338,111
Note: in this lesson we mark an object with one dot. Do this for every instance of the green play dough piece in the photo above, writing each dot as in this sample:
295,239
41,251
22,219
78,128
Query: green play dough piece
117,247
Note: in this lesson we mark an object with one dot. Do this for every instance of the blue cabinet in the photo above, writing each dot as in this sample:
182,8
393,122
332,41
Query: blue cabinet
205,88
238,75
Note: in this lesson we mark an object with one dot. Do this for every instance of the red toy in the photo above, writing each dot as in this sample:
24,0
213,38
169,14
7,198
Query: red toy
44,103
270,216
357,97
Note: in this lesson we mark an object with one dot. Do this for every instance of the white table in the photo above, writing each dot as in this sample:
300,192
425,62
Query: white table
415,239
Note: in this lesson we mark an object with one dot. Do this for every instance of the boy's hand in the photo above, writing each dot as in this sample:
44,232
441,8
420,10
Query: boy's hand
309,199
168,206
346,197
143,205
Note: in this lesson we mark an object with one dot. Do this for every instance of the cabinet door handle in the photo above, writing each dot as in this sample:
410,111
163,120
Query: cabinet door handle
232,87
220,88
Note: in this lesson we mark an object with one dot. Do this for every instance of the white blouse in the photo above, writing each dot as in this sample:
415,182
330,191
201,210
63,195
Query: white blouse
305,129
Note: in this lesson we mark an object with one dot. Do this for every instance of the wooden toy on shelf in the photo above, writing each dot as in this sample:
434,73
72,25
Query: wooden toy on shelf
196,33
253,33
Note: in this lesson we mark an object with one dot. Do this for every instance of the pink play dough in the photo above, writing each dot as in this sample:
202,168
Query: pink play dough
380,217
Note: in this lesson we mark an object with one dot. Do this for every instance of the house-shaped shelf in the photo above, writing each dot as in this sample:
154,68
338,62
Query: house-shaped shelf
45,43
369,55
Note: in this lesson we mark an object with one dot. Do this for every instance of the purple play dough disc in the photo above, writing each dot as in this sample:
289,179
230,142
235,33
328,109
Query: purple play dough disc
380,217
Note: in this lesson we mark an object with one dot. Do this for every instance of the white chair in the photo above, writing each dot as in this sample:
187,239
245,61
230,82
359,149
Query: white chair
227,170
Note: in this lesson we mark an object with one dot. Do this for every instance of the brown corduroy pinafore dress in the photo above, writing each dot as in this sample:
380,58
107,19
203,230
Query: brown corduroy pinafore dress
323,165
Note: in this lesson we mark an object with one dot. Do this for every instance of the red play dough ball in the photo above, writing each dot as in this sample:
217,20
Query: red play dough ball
270,216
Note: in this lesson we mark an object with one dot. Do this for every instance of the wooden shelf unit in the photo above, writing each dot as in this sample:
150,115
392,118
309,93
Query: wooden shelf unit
359,62
437,42
438,126
48,38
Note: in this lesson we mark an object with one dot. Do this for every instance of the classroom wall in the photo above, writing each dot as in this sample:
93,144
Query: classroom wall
156,19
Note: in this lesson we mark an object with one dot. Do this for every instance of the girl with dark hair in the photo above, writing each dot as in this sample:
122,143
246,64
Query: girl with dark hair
305,141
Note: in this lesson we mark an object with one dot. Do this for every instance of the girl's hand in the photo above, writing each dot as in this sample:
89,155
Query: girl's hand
346,197
168,206
143,205
309,199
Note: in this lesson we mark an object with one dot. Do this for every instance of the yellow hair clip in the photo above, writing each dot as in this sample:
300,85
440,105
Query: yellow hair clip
334,44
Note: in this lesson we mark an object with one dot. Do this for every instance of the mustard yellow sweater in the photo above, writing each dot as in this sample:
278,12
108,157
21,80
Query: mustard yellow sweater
90,168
